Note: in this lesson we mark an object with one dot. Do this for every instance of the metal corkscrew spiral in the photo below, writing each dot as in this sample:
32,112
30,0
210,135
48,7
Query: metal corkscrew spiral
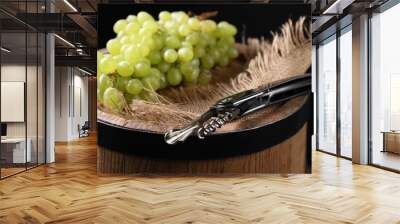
214,123
240,104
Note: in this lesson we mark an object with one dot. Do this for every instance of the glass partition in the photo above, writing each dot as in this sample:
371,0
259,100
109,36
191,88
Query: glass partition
326,99
14,145
385,89
22,76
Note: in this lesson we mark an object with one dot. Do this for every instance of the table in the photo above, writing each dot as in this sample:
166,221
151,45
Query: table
13,150
391,141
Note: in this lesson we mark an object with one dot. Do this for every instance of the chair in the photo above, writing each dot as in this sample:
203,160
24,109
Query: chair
84,130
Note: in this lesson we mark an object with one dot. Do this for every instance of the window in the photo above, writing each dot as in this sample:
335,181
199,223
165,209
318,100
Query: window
326,136
346,92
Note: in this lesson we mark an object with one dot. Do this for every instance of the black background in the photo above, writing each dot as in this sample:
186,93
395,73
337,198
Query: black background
257,19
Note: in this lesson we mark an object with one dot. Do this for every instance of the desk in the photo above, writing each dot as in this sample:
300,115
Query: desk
391,141
13,150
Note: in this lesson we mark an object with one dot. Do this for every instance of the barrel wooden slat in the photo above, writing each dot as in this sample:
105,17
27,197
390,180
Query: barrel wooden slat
287,157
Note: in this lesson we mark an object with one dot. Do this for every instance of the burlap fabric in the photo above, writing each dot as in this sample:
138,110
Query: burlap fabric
261,62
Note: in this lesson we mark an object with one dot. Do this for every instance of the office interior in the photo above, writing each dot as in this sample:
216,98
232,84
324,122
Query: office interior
48,83
367,79
47,93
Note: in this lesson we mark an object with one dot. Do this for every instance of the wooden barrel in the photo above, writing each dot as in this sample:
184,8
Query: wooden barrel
280,147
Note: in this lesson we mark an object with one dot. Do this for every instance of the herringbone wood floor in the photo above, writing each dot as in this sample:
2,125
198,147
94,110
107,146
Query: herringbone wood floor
69,191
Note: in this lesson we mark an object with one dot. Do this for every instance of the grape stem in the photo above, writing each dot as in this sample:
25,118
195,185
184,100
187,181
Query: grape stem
207,15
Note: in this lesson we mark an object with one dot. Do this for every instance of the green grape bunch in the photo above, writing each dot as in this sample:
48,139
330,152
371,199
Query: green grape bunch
149,55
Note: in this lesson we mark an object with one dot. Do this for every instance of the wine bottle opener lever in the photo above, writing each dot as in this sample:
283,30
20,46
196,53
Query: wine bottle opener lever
239,105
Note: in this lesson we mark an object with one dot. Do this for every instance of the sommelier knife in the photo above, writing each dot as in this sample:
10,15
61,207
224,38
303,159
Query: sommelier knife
239,105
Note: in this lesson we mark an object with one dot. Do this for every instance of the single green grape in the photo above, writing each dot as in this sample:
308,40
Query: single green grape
194,24
146,61
186,44
184,30
208,26
124,47
144,50
170,55
207,62
233,53
171,27
174,77
114,99
131,18
104,82
222,46
228,40
186,68
204,77
193,38
232,31
223,61
199,52
121,34
118,58
151,26
182,17
151,83
164,66
202,42
155,57
132,54
135,39
155,72
163,81
142,69
149,43
120,83
144,16
158,42
113,46
164,15
192,76
120,25
214,53
172,42
223,28
132,28
125,40
144,32
107,65
185,54
134,86
125,69
195,62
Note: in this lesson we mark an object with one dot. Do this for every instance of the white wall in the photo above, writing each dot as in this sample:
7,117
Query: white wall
71,93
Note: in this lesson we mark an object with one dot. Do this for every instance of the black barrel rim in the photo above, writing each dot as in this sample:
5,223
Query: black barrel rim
151,144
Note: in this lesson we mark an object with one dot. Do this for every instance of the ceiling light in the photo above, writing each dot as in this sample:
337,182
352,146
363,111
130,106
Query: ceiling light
5,50
338,6
64,40
84,71
70,5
